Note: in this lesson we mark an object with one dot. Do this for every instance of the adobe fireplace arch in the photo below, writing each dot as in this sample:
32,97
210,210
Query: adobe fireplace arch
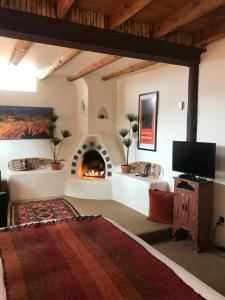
92,147
92,165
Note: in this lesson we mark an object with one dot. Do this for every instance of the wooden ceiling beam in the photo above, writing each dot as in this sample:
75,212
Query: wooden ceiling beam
193,10
201,38
108,59
63,6
209,34
52,31
133,68
19,51
126,10
65,57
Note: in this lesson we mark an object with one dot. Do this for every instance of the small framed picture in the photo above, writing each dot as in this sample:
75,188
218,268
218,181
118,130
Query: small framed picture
147,121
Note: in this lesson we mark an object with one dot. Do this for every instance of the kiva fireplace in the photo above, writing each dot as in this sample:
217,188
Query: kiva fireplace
93,165
98,151
91,170
92,160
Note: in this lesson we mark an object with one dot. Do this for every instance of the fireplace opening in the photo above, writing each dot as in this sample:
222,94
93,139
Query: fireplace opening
93,165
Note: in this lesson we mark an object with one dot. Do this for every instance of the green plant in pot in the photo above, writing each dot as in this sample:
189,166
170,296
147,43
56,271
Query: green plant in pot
127,135
56,142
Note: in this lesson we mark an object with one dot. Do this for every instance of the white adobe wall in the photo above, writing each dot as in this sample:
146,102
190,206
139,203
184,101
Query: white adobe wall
211,120
56,93
101,94
171,82
95,94
82,106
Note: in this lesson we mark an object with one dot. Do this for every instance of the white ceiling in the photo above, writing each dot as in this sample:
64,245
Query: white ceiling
6,47
42,56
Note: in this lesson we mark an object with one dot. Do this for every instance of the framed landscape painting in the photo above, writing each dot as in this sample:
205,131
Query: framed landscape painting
19,122
147,121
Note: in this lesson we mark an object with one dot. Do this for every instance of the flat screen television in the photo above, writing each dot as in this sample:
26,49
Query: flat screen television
194,158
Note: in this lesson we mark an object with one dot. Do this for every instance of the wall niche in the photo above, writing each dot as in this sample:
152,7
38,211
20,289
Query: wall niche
102,113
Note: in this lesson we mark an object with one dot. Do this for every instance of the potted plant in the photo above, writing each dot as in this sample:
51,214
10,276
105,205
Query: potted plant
56,142
127,135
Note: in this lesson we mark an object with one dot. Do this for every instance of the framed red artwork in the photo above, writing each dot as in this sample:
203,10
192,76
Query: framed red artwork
147,121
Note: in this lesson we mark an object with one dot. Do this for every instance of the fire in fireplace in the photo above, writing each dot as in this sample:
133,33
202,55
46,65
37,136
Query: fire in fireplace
93,165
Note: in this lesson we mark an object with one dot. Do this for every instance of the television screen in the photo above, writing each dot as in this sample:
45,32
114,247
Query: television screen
194,158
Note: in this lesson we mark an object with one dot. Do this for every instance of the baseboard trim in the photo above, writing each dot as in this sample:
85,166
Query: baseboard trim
221,248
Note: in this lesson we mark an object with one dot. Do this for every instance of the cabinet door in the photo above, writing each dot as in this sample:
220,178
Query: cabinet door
184,208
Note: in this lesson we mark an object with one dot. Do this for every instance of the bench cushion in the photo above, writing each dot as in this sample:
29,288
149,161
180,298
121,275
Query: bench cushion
161,206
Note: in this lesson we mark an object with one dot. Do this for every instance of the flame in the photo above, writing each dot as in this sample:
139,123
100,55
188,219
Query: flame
94,173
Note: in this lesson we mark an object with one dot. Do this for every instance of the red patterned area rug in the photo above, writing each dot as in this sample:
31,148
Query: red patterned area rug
35,211
81,259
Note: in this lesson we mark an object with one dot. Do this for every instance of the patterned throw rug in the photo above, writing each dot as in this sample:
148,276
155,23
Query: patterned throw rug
35,211
81,259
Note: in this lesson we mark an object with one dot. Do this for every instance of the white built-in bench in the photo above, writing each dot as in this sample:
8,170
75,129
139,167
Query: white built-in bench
127,189
132,190
43,183
100,189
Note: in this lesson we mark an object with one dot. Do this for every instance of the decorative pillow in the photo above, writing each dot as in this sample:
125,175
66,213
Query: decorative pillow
161,206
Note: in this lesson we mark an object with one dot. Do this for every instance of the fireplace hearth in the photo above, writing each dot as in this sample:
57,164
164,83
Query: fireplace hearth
93,165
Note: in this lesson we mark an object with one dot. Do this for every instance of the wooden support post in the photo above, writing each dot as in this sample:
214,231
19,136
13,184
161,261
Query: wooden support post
192,113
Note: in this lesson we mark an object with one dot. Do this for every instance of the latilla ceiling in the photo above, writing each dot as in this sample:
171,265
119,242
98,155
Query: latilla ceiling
192,23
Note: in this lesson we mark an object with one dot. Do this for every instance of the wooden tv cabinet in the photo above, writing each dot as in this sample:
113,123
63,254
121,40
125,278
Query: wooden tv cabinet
193,211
